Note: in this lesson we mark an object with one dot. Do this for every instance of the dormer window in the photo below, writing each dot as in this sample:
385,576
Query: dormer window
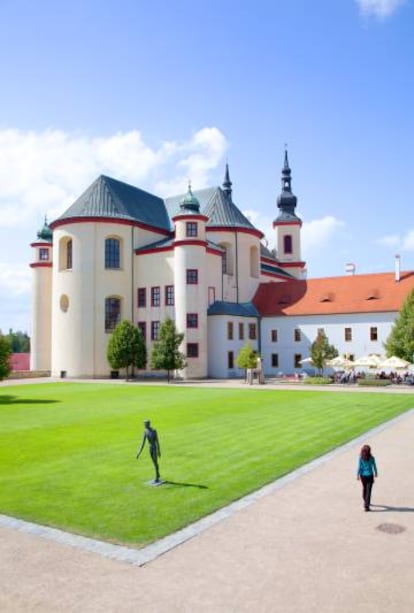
43,254
327,297
191,229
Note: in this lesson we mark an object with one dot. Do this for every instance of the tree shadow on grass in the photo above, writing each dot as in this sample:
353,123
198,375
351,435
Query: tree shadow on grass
383,508
8,399
200,487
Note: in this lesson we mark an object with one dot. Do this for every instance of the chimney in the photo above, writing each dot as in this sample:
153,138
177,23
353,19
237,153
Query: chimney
350,269
397,268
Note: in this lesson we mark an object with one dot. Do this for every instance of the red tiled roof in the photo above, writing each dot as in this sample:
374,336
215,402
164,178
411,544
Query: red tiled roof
372,293
20,361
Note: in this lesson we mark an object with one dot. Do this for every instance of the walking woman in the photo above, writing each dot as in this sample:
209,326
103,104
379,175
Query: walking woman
367,469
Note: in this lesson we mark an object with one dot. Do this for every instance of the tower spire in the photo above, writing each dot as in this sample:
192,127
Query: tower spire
227,183
287,200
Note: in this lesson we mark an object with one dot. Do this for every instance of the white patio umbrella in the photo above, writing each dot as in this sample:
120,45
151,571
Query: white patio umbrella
340,362
368,361
395,363
307,361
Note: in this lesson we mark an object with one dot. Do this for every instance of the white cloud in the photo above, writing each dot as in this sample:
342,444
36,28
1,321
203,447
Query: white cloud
317,233
379,8
408,241
391,241
44,172
398,243
15,279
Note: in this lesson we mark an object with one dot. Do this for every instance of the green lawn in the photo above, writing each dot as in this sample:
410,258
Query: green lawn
67,450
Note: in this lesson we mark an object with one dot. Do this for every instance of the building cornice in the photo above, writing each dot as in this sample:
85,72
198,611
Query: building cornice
114,220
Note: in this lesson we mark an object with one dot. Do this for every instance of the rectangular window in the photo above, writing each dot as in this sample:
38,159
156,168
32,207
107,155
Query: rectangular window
252,332
211,295
297,335
190,229
230,330
348,334
192,350
230,360
275,360
373,334
142,297
192,320
142,326
69,253
273,336
112,253
169,295
112,313
43,254
155,296
298,360
287,244
241,331
192,276
155,330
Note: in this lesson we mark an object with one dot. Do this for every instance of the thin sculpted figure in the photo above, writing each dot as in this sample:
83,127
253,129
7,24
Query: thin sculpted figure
150,435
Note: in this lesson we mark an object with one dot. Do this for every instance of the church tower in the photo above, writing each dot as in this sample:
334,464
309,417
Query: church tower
40,354
190,284
288,226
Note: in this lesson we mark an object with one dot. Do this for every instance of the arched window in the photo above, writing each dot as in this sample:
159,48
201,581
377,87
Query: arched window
254,262
65,254
287,244
228,265
112,253
112,313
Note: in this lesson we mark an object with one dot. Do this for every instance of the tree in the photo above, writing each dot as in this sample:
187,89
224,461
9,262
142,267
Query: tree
5,353
19,341
321,351
400,342
126,347
246,358
165,351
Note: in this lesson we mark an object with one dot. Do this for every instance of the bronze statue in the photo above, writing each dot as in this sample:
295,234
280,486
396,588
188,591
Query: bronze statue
150,435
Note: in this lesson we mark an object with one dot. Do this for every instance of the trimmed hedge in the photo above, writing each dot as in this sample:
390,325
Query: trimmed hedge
318,380
374,382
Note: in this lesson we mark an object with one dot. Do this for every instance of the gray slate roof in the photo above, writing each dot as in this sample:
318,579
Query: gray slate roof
108,197
216,205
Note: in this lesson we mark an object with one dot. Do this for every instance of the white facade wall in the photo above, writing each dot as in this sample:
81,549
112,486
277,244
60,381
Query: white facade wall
214,278
219,345
191,299
40,342
293,230
241,284
334,327
79,339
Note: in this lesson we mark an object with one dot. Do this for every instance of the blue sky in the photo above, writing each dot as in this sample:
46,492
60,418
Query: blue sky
156,93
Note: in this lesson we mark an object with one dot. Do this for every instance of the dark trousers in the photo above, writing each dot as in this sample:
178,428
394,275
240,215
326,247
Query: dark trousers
367,489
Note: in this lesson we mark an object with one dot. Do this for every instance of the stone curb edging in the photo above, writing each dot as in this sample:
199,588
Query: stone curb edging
140,557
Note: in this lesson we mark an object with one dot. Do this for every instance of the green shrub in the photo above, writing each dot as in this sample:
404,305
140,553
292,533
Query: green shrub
318,380
374,382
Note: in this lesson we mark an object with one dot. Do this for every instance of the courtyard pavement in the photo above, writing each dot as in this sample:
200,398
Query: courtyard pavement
304,545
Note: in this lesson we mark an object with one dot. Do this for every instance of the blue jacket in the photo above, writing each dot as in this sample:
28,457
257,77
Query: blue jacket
367,468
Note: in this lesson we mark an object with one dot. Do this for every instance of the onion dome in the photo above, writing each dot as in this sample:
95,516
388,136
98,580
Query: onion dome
45,233
190,203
